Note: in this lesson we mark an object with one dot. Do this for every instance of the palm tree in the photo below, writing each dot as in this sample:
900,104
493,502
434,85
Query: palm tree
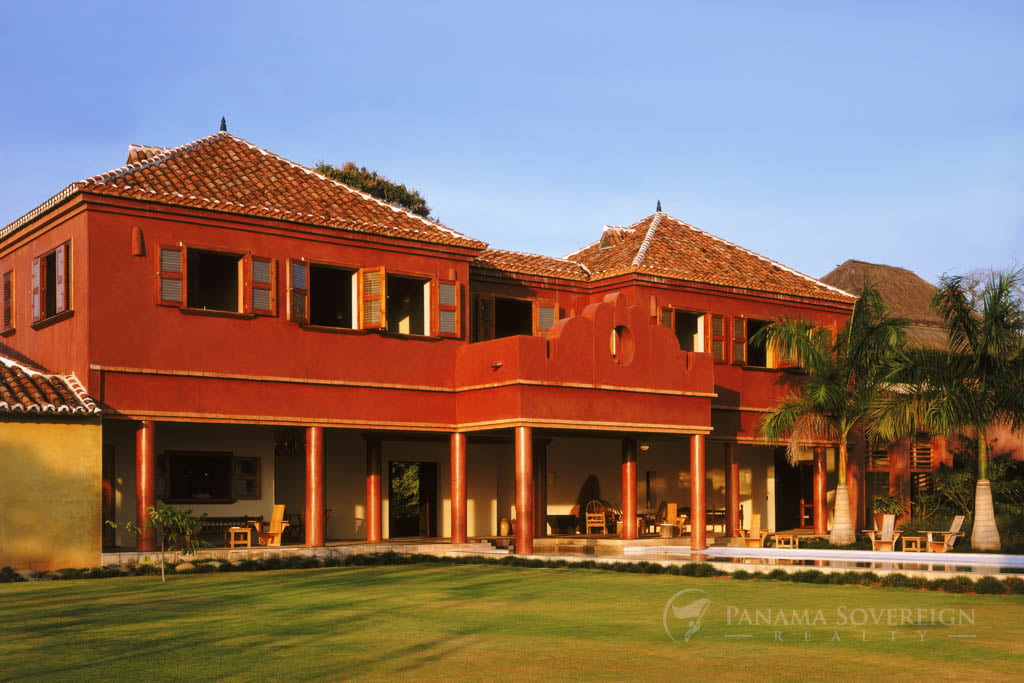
844,375
973,383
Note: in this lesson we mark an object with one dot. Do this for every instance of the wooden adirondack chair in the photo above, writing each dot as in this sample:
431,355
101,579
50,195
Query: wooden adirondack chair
885,539
941,541
269,533
756,536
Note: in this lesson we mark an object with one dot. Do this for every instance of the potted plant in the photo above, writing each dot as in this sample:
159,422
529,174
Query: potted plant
887,505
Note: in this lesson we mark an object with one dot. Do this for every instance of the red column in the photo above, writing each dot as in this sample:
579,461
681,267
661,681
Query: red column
698,496
145,481
524,490
732,490
820,492
540,487
314,486
374,525
458,487
628,527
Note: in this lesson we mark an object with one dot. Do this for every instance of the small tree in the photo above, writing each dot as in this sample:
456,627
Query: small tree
175,528
372,183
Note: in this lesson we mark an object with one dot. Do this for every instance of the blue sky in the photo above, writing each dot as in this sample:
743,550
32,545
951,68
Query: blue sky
810,132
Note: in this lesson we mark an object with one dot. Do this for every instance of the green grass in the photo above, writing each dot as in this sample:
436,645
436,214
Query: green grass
486,622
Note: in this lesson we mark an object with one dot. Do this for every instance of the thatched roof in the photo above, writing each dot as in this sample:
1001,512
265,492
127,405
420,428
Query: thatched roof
906,294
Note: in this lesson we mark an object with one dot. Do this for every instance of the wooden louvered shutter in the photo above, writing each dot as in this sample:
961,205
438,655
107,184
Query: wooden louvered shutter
484,317
261,285
298,291
37,289
60,258
170,277
667,319
8,301
372,298
739,340
718,350
448,303
545,313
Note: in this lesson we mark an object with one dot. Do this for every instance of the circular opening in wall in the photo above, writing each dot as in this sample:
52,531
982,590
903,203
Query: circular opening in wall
621,345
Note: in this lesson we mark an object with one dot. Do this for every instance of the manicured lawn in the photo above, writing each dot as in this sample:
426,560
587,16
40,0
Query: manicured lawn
492,622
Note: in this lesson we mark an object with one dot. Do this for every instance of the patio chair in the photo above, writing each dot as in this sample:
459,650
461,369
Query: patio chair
595,517
756,536
942,541
885,539
269,533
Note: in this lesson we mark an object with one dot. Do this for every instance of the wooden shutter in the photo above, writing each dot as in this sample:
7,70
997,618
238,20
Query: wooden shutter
262,297
739,340
8,300
372,298
170,277
718,350
37,289
484,317
60,258
448,302
545,313
667,318
298,291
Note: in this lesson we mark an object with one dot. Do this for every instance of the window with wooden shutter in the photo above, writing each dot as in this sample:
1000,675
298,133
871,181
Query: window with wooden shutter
546,313
8,302
739,340
484,317
50,283
448,301
170,277
298,291
262,299
718,350
372,298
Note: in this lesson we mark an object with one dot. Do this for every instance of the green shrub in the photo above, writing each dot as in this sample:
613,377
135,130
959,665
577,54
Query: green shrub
989,584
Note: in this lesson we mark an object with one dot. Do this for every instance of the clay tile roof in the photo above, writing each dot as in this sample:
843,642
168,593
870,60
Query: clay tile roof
666,246
906,295
225,173
30,391
529,264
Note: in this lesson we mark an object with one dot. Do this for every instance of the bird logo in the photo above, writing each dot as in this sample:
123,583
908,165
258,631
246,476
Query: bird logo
684,612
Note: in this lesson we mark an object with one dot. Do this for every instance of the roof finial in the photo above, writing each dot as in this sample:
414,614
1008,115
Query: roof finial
223,125
658,210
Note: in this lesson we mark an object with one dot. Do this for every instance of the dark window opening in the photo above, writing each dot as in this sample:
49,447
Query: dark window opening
412,499
757,350
210,477
213,280
405,305
50,284
690,331
512,317
330,297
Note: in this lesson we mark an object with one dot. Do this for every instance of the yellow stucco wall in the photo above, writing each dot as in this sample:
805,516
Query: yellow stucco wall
50,493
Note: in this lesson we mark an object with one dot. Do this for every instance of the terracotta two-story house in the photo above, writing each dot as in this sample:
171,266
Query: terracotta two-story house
256,333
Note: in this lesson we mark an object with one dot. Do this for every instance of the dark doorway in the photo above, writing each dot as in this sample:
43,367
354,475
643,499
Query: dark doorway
787,493
412,499
109,496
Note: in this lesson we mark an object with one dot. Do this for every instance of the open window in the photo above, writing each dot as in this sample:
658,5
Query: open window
209,477
687,326
331,293
406,308
7,321
50,291
220,281
498,317
757,349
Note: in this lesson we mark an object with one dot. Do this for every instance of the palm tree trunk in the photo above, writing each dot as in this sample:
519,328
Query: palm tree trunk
985,534
842,524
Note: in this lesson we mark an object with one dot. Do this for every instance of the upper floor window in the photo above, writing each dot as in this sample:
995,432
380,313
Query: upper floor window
50,291
209,280
7,322
688,327
498,317
372,299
